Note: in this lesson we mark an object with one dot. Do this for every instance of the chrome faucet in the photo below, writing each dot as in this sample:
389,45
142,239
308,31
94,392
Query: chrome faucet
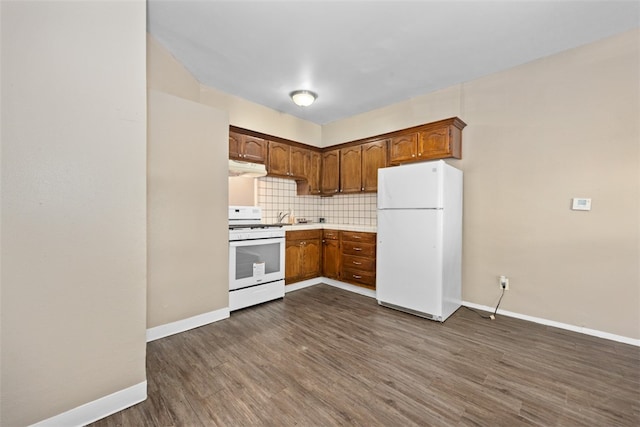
282,216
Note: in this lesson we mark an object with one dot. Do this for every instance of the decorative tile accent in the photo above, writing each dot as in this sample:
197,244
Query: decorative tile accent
277,195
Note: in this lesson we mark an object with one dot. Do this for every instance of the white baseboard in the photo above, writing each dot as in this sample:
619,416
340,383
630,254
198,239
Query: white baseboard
372,294
172,328
347,287
580,329
303,284
100,408
331,282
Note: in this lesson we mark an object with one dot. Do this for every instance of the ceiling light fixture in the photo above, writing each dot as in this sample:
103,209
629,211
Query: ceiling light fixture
303,98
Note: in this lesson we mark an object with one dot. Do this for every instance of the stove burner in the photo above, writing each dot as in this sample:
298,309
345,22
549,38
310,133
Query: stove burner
253,226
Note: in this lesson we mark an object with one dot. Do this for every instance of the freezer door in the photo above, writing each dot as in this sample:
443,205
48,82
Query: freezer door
409,259
411,186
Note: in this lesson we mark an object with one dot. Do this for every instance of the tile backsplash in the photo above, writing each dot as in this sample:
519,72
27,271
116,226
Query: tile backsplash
277,195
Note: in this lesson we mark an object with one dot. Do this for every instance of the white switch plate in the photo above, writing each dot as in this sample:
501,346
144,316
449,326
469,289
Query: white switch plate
581,204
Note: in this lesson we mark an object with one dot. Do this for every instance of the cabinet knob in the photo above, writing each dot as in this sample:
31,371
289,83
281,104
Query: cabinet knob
419,154
413,155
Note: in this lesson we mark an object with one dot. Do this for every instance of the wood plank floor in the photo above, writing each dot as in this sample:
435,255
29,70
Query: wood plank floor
324,357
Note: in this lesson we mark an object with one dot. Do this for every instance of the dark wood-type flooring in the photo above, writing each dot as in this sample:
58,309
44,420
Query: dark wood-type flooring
325,357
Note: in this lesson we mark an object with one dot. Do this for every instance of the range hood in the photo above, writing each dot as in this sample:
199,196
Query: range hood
246,169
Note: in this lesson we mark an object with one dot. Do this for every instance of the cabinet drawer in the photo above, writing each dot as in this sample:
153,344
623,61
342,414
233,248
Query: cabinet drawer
304,234
331,235
358,263
359,277
355,236
367,250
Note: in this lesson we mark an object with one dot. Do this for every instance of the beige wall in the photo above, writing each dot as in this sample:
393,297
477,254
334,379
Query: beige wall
188,257
168,75
438,105
539,134
249,115
242,191
73,205
187,184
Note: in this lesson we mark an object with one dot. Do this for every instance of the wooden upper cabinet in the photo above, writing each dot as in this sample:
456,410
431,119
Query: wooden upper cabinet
437,140
247,148
254,149
279,158
351,169
310,185
314,173
300,161
288,161
235,145
374,157
403,148
359,166
330,183
440,142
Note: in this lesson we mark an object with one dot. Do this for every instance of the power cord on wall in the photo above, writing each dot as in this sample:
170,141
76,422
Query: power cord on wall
491,316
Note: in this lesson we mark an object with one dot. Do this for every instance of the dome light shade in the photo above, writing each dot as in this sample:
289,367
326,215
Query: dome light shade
303,98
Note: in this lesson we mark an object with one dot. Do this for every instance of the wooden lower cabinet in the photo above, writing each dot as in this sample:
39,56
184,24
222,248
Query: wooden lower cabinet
359,258
331,256
302,255
347,256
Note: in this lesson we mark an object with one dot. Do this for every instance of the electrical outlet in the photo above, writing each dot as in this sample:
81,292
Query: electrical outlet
504,283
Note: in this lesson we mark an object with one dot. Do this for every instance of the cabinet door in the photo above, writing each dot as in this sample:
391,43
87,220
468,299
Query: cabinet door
279,158
311,250
434,143
374,157
403,148
292,265
300,161
313,175
351,170
235,145
331,258
330,172
254,149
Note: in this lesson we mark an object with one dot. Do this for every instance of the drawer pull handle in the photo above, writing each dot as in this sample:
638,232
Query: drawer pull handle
357,263
355,276
357,237
357,249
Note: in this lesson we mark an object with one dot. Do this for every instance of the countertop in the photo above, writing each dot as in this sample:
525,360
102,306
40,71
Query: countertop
329,226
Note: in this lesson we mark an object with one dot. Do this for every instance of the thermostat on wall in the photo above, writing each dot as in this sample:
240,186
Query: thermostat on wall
581,204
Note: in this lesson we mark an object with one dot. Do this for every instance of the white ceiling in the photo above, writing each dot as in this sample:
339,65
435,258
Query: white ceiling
363,55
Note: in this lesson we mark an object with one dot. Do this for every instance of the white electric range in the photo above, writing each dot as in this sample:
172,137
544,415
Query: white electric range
256,258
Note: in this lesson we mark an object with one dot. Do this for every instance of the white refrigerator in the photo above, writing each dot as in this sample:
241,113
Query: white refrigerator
419,252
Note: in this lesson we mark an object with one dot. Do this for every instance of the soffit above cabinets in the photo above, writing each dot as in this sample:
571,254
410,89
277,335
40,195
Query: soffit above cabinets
362,55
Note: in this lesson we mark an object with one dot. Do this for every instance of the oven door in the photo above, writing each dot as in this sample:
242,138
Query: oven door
254,262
